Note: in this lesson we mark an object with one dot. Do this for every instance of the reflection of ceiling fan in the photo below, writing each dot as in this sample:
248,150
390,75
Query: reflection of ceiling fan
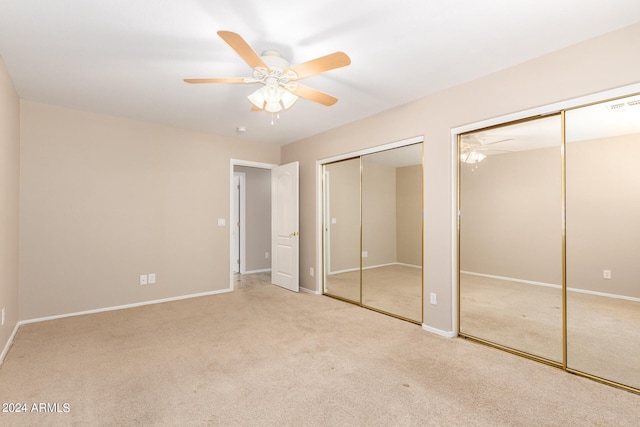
473,147
280,87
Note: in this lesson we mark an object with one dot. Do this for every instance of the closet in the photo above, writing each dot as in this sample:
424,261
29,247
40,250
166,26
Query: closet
372,231
549,239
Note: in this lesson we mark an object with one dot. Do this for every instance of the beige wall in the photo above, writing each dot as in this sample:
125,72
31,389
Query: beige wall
409,214
9,191
344,207
511,216
104,200
605,62
392,203
257,217
378,214
603,211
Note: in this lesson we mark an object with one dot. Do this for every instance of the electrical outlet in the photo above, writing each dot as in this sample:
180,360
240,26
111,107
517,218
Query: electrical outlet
152,278
311,272
606,274
365,254
143,279
433,299
266,255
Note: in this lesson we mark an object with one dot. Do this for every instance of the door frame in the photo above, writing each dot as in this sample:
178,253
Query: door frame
232,164
240,202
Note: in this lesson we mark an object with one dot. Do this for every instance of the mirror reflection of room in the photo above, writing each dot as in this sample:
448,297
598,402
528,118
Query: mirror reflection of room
342,229
373,231
392,231
511,237
603,240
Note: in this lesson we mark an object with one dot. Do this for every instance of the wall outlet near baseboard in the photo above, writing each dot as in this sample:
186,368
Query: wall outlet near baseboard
266,255
433,299
2,316
311,271
143,279
606,274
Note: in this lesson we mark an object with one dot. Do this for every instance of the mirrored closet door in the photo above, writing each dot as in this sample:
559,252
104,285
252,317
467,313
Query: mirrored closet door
372,230
510,231
341,236
603,240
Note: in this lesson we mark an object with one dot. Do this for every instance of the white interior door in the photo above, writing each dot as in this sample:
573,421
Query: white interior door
285,239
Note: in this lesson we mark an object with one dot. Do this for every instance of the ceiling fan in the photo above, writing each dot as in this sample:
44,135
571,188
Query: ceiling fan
280,88
473,146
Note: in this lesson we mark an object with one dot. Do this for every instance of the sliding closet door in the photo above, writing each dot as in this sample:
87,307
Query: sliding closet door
603,240
392,232
372,229
341,229
510,233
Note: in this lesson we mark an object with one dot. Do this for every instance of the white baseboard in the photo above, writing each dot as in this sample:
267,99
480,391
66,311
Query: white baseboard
122,307
407,265
511,279
373,266
309,291
348,270
552,285
446,334
603,294
266,270
9,343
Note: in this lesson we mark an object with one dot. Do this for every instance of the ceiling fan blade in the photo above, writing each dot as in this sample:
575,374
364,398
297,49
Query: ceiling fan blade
255,108
243,49
314,95
320,65
217,80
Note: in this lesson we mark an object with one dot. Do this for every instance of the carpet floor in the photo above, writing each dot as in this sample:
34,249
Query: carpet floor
602,332
264,356
395,289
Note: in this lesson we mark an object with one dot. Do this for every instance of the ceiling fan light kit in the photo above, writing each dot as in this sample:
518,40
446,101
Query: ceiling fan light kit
280,89
472,157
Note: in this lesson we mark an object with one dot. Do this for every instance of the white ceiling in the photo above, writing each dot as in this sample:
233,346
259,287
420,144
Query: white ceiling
128,57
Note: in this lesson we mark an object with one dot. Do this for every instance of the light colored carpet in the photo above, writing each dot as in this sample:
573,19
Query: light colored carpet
395,289
517,315
264,356
603,336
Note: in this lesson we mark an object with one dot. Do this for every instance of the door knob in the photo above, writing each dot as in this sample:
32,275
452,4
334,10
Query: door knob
295,233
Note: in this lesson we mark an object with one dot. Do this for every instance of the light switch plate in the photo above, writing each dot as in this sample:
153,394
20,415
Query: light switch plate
221,222
143,279
152,278
433,299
